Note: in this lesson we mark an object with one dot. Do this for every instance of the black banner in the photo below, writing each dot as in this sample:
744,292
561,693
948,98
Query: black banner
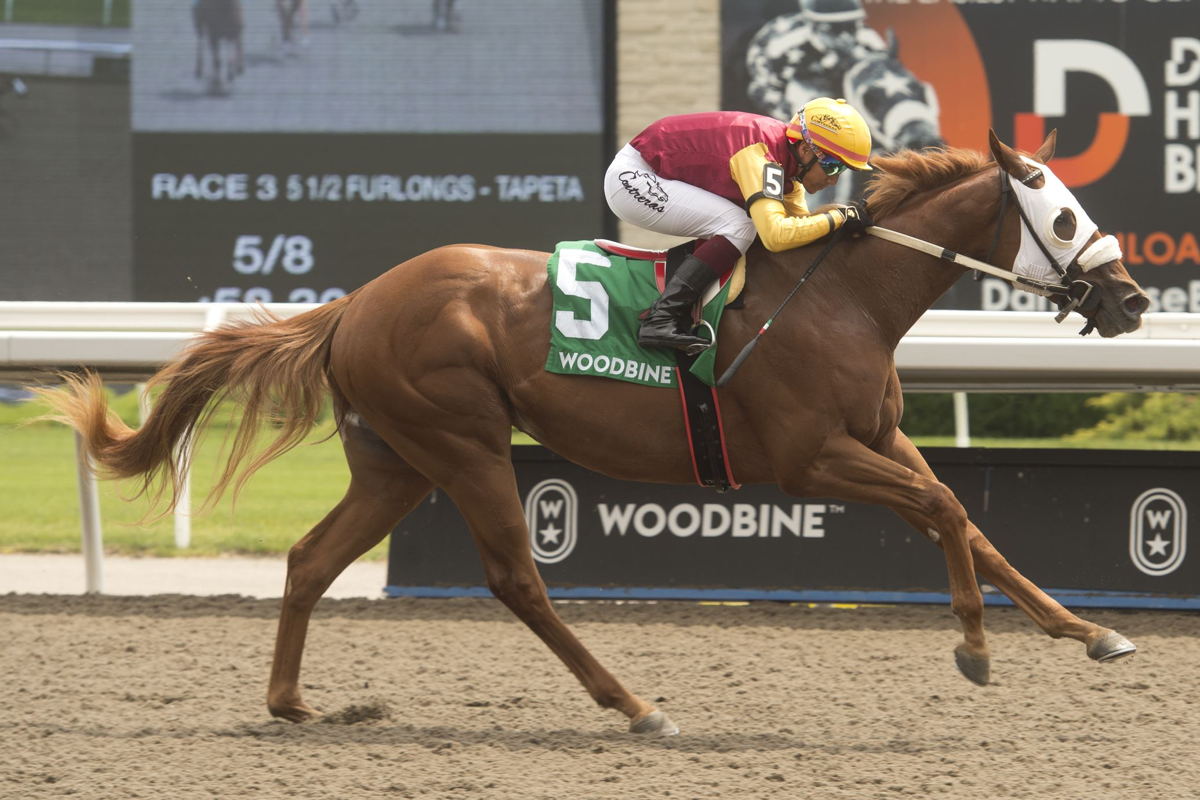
1091,527
309,217
1118,79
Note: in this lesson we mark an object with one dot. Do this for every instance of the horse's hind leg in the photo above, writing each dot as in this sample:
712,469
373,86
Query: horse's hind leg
1103,644
383,488
486,495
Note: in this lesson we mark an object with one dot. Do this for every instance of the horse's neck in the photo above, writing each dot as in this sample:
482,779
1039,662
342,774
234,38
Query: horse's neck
901,284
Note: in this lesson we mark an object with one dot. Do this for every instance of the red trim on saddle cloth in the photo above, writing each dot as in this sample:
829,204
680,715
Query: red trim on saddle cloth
626,251
660,275
659,257
724,450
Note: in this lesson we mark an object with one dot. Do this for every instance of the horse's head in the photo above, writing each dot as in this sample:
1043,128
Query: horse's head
1060,243
901,110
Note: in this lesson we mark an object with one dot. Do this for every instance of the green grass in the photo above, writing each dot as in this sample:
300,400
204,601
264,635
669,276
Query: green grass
69,12
278,506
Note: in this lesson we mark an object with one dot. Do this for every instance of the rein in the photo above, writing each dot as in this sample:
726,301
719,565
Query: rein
1076,294
913,243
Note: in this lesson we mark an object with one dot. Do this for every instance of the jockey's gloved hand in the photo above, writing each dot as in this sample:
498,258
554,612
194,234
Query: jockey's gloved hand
857,217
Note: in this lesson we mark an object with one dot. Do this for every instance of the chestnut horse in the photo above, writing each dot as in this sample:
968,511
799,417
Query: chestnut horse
432,364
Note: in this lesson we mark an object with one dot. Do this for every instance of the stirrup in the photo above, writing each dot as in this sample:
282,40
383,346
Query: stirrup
677,341
696,349
674,340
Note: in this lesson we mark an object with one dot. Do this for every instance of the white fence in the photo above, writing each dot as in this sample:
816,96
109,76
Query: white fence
124,342
946,351
58,58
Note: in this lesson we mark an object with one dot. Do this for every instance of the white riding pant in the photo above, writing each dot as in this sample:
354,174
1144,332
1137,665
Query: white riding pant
640,197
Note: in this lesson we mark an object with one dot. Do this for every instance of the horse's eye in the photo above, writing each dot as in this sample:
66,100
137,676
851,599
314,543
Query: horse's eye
1063,226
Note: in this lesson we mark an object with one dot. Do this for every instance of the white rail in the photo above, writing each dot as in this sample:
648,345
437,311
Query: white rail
946,351
124,341
61,58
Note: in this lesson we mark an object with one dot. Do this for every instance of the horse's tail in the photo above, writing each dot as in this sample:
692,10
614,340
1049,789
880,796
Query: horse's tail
276,369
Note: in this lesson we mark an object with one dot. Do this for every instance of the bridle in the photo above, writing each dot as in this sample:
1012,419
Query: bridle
1071,293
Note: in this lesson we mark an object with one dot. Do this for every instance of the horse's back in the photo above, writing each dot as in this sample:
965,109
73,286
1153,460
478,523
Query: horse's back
467,328
447,308
481,276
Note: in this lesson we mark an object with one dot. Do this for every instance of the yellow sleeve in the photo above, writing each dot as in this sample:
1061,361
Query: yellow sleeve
793,201
761,183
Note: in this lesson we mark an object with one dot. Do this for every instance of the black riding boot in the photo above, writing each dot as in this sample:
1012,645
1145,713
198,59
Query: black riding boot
668,323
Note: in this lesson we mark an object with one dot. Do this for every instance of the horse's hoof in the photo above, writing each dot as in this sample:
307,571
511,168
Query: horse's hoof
1110,647
299,712
655,723
975,668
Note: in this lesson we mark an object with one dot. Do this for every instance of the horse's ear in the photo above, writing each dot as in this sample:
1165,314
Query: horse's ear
999,150
1005,156
1046,151
1009,160
893,46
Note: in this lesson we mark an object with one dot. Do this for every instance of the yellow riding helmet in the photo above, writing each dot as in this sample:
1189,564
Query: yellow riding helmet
834,127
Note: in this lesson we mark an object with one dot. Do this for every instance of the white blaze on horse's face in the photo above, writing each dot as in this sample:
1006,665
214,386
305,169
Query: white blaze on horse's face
1051,210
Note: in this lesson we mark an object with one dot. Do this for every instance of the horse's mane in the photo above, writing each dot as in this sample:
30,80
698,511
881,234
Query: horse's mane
909,171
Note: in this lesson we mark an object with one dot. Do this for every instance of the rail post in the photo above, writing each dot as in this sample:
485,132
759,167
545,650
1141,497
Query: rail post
89,508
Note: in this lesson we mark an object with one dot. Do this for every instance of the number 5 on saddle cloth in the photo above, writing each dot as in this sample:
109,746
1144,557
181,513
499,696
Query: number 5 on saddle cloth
599,289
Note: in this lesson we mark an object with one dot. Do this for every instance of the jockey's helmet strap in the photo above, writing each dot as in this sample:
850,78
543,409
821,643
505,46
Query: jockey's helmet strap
794,146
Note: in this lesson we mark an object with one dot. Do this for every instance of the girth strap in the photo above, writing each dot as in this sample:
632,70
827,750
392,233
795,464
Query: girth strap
701,411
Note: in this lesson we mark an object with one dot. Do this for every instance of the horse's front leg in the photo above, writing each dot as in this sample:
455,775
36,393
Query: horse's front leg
214,49
1103,644
849,470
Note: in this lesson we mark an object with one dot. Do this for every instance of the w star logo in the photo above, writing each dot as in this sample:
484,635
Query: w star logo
1158,532
552,512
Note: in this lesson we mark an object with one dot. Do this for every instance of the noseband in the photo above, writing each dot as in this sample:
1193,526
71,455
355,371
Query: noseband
1072,293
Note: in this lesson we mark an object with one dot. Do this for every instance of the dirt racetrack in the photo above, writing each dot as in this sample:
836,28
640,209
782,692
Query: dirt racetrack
158,697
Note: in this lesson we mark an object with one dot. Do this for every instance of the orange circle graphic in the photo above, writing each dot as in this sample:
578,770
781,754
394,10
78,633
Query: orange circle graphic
937,46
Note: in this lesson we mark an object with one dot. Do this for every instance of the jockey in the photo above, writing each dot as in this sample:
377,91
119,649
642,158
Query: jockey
727,176
797,56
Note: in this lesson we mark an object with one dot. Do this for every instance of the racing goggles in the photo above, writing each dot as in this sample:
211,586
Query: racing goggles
830,165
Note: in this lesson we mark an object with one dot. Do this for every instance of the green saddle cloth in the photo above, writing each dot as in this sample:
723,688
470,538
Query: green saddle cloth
597,298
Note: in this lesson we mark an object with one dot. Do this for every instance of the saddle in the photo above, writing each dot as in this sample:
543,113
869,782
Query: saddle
699,401
665,262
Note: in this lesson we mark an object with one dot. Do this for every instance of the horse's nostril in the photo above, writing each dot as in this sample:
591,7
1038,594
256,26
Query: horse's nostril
1136,304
